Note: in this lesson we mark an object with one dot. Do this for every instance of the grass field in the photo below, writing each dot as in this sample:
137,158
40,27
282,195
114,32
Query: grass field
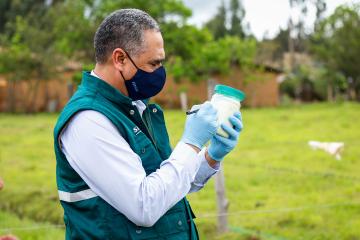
277,186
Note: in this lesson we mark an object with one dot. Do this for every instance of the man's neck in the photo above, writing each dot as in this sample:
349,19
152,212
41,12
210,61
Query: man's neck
110,76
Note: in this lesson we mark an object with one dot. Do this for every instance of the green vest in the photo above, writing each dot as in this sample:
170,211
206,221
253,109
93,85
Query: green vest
86,215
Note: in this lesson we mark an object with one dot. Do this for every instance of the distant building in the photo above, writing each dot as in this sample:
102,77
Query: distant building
296,59
261,89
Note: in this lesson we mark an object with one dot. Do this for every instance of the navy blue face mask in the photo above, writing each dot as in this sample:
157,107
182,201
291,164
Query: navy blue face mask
145,84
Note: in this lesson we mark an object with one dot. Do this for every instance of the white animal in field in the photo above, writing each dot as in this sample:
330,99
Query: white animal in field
334,148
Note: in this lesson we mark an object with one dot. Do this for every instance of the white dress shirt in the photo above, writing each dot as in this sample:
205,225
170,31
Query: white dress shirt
104,160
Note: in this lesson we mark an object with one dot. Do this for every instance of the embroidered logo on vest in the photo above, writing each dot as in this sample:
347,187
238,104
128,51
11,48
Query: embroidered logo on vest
136,130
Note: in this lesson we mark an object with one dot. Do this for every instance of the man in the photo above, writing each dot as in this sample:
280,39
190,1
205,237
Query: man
117,176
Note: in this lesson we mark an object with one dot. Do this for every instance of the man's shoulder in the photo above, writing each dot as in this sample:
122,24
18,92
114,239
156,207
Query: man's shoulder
89,121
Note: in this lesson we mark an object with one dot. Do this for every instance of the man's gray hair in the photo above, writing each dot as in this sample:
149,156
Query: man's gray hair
122,29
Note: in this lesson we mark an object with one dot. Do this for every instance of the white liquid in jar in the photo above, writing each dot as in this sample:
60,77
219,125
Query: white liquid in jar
226,107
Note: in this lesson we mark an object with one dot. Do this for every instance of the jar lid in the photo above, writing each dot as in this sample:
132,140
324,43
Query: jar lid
230,92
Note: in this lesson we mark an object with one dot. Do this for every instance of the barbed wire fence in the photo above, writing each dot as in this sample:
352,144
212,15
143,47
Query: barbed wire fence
8,230
30,228
274,169
324,174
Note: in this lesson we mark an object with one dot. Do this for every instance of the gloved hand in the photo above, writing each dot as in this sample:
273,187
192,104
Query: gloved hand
200,126
220,146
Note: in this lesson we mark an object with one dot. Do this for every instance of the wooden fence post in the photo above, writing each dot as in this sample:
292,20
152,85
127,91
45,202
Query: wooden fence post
222,202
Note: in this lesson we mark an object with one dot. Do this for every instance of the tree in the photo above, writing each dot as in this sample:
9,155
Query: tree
302,7
320,9
4,7
28,53
11,56
297,36
183,45
237,12
73,30
336,44
217,25
218,56
270,51
40,36
161,10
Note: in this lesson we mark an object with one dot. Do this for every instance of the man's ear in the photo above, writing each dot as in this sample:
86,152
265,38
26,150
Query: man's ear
119,58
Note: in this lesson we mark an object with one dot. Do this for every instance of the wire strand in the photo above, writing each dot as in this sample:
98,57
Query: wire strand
210,215
302,171
30,228
278,210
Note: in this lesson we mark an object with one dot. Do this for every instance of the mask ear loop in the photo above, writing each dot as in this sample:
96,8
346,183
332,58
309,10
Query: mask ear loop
131,61
122,76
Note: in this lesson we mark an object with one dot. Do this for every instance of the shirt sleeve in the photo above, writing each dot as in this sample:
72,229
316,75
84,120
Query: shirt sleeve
104,160
204,173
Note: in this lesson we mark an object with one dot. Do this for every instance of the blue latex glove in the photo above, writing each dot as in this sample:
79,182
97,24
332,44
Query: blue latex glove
200,126
220,146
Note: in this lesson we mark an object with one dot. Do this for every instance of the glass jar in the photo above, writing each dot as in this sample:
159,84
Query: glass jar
227,101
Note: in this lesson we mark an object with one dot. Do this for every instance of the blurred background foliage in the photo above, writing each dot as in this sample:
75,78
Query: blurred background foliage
38,38
41,38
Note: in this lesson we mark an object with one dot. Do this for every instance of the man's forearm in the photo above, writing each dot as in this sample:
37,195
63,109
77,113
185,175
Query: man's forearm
206,171
212,163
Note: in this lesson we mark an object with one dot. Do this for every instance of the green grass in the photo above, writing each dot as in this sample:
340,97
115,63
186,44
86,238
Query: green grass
271,170
28,229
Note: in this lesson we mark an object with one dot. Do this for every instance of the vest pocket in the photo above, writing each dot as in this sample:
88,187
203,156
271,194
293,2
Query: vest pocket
173,225
145,149
117,225
173,222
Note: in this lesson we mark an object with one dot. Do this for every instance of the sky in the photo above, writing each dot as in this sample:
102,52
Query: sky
265,17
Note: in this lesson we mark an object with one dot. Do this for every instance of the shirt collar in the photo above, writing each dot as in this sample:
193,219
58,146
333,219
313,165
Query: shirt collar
139,104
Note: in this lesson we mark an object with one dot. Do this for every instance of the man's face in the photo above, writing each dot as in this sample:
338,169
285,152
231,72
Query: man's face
150,58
